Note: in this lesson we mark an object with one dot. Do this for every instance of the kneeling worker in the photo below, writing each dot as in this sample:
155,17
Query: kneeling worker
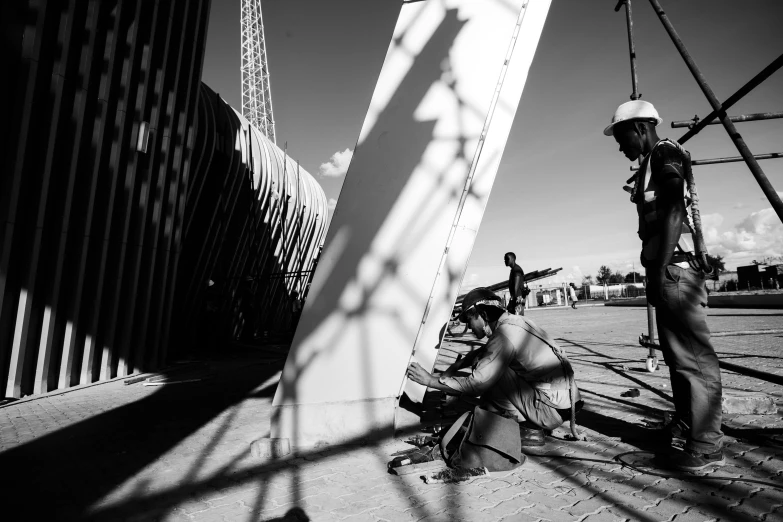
520,371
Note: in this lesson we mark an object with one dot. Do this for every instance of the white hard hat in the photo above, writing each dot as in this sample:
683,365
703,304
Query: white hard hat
634,110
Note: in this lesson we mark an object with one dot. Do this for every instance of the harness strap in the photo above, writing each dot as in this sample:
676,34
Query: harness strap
444,442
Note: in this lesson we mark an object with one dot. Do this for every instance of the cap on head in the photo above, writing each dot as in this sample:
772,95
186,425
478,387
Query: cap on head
634,110
479,296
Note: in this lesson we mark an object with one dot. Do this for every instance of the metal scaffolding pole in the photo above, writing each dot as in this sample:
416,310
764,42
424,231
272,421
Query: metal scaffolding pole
739,142
631,49
731,159
734,98
691,124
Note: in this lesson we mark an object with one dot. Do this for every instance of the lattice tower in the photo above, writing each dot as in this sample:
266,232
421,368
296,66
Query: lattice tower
256,93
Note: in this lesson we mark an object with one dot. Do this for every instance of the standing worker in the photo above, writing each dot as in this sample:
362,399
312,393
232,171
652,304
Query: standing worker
675,287
517,290
572,295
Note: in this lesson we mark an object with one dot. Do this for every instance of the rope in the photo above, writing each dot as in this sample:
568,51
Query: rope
572,397
569,372
697,478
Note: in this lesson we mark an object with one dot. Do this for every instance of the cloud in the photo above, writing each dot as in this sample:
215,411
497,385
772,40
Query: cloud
575,274
331,204
337,165
762,222
758,235
739,204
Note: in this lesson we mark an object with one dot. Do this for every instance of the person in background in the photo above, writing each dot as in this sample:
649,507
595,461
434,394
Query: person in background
516,285
572,295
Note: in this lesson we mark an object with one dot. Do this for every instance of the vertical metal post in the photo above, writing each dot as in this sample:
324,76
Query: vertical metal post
297,253
735,136
651,321
631,49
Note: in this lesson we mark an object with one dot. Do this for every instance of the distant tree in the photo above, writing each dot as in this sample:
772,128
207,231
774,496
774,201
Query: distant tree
587,280
717,263
616,278
769,260
604,273
634,277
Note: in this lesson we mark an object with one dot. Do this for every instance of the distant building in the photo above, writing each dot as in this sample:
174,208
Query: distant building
759,276
726,276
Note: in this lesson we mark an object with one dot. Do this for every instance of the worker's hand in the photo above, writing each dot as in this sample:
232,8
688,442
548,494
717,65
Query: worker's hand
511,307
418,374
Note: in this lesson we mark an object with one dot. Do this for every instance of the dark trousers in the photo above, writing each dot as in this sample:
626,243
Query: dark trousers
693,364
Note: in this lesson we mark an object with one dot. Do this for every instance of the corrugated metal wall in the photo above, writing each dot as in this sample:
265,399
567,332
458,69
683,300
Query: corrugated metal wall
89,220
126,186
254,225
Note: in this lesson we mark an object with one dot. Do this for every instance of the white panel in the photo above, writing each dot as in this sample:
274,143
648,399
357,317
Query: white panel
511,83
401,201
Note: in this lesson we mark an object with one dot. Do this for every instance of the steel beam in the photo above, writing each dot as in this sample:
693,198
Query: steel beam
720,109
731,159
734,119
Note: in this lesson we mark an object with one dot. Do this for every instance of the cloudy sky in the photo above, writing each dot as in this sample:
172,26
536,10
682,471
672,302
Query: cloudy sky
558,199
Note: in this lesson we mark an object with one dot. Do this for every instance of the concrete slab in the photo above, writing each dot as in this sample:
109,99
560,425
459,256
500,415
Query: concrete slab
181,452
749,403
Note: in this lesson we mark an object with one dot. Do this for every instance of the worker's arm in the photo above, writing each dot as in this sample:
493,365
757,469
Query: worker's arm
670,206
418,374
464,362
488,369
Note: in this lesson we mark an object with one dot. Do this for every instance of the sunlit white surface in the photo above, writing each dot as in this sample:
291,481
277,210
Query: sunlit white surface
402,205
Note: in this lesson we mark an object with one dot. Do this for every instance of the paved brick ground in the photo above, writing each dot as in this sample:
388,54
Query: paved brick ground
181,452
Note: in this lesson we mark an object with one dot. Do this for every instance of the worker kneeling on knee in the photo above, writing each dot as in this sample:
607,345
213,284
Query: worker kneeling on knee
519,372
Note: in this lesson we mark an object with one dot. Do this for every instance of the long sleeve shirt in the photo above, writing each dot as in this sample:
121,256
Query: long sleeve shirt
520,345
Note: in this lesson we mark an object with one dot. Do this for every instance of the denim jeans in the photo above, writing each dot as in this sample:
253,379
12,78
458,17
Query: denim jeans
525,403
693,364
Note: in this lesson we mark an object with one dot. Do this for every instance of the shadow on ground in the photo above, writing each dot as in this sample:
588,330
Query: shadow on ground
61,475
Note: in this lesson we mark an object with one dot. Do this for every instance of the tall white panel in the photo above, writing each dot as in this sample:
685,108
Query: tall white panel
403,229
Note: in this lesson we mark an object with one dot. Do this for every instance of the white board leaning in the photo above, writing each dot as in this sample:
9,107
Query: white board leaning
411,204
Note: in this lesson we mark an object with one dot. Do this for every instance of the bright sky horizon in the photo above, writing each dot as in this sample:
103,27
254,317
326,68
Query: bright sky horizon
558,199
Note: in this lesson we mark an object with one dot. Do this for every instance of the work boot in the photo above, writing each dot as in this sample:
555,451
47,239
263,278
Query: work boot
673,434
531,436
689,460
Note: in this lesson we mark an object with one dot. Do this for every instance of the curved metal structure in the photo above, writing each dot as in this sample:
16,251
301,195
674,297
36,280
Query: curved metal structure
255,223
126,186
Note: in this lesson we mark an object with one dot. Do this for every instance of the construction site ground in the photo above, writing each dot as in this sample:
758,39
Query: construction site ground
181,451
